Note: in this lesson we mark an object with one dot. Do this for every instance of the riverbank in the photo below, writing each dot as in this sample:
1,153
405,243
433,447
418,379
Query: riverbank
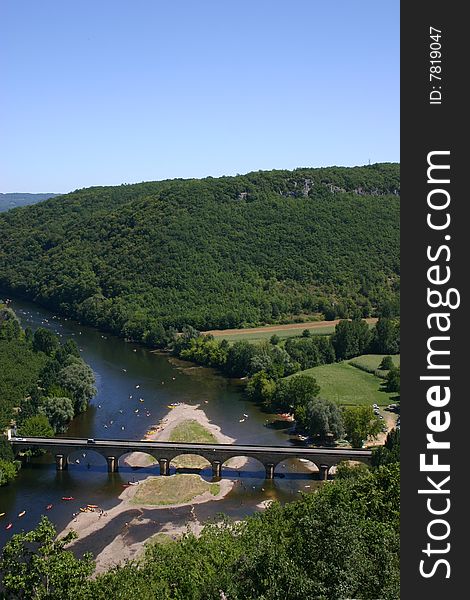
107,534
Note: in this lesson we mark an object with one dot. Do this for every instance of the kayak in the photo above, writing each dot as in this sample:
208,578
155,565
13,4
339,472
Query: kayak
92,505
68,498
2,514
9,526
22,513
48,507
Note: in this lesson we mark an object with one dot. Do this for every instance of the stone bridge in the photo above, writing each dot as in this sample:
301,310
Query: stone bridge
165,452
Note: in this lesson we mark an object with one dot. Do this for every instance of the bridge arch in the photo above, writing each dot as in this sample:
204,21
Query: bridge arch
137,459
297,465
85,457
241,463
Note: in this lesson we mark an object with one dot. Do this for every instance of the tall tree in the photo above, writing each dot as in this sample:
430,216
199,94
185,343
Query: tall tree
59,412
360,423
351,338
321,419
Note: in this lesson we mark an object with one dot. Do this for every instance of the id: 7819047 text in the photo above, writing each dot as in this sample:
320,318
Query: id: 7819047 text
435,66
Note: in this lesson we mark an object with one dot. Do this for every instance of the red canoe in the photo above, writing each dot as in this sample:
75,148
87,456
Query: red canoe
68,498
48,507
9,526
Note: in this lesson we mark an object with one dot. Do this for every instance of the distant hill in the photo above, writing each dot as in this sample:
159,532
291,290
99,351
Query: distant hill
16,199
213,253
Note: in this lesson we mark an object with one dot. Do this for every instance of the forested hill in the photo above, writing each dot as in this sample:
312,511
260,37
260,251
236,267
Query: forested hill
14,200
212,253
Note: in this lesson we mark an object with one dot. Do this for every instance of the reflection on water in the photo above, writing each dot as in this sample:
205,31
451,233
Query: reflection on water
135,387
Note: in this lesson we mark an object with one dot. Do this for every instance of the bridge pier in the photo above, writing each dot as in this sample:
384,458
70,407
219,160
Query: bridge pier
164,466
112,464
323,472
269,471
60,462
216,468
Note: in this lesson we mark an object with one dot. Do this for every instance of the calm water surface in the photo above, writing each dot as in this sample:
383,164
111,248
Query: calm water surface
119,367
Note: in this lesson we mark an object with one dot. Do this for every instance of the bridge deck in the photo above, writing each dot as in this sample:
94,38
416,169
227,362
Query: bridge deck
156,445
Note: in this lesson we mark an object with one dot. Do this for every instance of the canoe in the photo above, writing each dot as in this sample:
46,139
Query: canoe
9,526
2,514
22,513
49,506
68,498
83,509
92,505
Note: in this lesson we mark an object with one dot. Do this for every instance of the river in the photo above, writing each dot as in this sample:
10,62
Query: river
119,368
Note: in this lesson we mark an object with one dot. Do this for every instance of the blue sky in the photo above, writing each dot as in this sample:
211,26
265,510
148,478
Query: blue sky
103,92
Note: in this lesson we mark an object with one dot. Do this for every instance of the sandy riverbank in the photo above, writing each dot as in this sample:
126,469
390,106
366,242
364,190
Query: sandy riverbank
109,534
162,433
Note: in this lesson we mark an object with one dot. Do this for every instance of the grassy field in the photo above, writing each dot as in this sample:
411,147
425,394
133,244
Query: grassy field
191,431
348,385
258,336
371,362
176,489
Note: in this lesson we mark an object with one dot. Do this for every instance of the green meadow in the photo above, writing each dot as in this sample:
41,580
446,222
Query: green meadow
348,385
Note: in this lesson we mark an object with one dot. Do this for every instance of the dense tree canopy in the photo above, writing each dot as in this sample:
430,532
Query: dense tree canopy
212,253
43,383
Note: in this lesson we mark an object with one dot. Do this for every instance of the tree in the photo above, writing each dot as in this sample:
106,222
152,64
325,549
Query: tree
386,336
351,338
10,328
274,339
6,453
45,341
37,565
386,364
37,426
69,348
59,412
301,389
392,381
78,379
261,388
360,423
389,452
293,393
346,470
320,419
8,471
239,358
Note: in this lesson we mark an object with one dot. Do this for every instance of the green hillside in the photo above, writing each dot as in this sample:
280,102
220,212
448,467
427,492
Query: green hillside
212,253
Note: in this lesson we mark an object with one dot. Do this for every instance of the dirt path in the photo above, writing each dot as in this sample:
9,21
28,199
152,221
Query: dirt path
390,420
274,328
